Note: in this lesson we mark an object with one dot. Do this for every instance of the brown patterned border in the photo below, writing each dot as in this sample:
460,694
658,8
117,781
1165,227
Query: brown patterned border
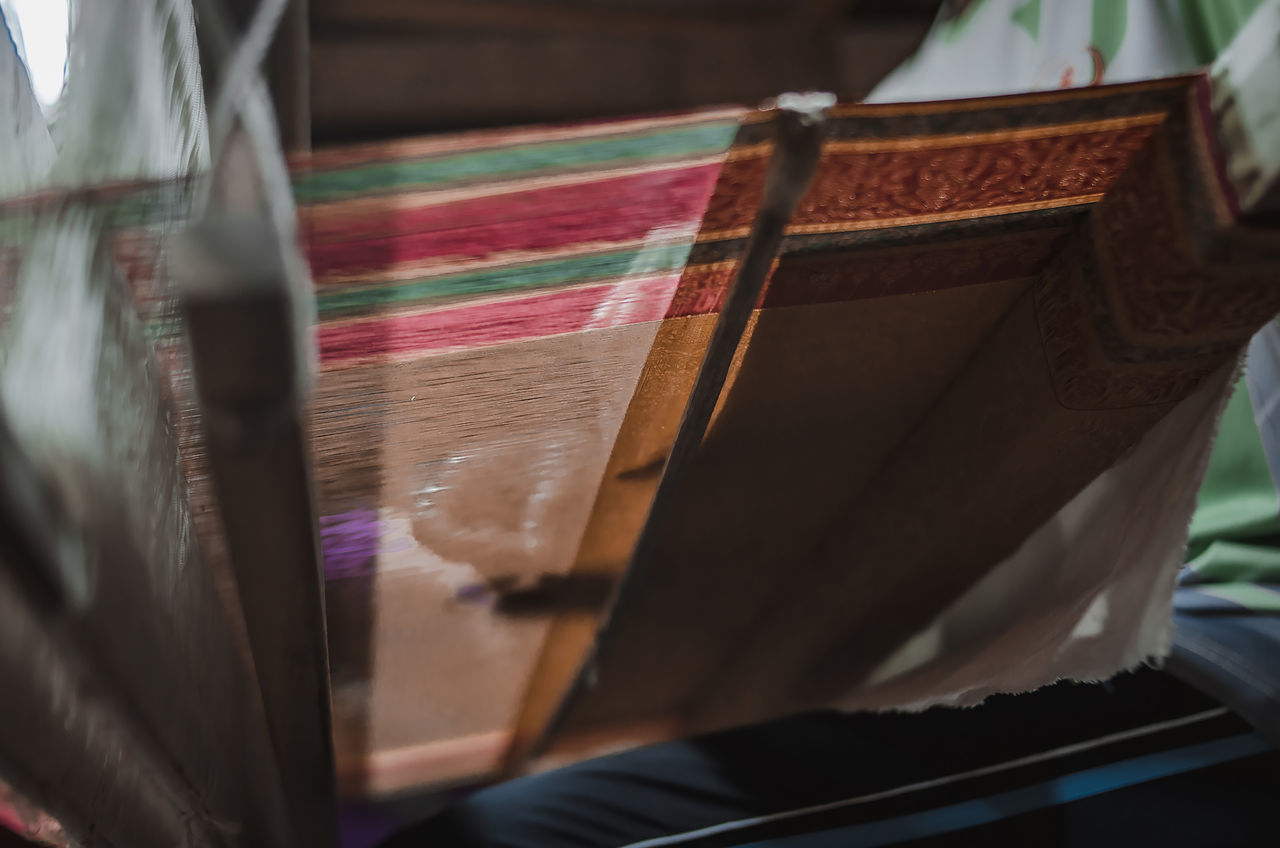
1141,306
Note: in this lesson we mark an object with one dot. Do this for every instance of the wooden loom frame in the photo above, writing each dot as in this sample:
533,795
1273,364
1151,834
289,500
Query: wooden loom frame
28,560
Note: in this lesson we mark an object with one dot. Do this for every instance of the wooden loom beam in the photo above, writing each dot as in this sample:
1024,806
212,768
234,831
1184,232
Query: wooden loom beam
246,361
286,69
564,666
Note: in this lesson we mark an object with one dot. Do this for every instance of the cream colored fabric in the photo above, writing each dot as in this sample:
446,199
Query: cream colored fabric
1090,593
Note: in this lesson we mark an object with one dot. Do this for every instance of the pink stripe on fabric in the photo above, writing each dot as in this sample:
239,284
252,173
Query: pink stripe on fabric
610,210
497,322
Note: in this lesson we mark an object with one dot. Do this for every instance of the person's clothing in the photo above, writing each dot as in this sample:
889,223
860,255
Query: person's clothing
1047,44
1227,605
1233,553
1143,760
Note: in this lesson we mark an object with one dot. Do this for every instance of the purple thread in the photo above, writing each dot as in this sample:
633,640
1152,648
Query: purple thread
474,593
349,543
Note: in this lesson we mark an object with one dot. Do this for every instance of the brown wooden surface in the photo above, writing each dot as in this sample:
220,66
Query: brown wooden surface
286,69
245,357
962,489
534,15
427,675
383,85
400,66
289,75
798,140
861,394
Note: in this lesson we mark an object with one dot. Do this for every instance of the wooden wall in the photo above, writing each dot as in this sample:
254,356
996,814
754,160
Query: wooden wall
385,67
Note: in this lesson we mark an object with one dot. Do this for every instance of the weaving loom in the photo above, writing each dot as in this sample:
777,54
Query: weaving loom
990,321
413,293
476,365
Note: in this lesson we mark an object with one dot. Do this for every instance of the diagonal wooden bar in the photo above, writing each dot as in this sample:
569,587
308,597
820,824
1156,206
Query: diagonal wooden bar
246,353
565,665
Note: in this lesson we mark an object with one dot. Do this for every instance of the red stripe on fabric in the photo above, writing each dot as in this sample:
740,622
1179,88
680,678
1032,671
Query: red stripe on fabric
702,289
629,301
604,211
853,187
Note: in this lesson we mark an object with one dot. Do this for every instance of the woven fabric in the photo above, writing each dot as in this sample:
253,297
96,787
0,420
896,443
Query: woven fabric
486,302
870,521
507,319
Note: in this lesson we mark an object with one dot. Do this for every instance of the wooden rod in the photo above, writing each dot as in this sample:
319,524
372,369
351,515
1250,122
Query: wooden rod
246,355
800,128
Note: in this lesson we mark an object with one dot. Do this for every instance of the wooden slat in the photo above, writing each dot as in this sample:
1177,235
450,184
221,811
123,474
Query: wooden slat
287,68
367,85
245,355
289,75
529,17
399,66
560,674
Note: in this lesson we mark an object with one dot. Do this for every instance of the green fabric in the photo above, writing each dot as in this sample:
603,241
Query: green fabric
1235,562
1211,24
1235,533
1110,20
954,29
1234,544
1256,598
600,266
1238,499
365,297
698,139
1028,17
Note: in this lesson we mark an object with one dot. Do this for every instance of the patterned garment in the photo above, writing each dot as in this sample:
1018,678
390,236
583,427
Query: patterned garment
1047,44
1227,605
1233,569
1233,554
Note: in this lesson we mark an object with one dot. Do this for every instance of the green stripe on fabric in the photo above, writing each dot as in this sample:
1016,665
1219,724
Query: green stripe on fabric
1237,500
950,31
155,204
1110,20
148,206
512,161
162,329
1232,562
1236,526
1247,595
1027,16
1212,24
578,269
